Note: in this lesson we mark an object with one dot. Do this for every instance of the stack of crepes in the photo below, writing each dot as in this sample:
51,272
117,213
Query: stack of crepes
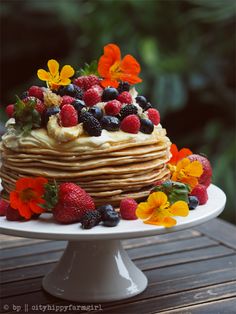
111,167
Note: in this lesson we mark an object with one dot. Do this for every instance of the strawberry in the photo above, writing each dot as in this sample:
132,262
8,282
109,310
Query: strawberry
200,191
3,207
36,91
73,203
92,97
13,214
205,178
112,108
69,116
10,110
127,209
86,82
154,116
130,124
66,100
125,98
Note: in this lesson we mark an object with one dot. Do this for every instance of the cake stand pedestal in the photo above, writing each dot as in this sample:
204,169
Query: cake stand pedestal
94,266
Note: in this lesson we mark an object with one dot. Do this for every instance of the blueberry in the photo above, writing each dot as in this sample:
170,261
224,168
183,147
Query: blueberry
71,90
112,219
110,123
148,106
147,126
104,209
96,112
78,104
50,112
142,101
192,202
109,93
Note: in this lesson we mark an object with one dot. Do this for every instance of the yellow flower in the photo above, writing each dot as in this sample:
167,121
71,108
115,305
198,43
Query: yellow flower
158,211
186,172
54,78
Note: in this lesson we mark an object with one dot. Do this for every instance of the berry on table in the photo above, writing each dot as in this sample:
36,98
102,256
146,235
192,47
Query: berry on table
193,202
92,126
128,208
96,112
69,116
111,219
125,98
10,110
128,110
123,87
154,116
36,91
147,126
110,123
109,93
104,211
113,107
3,207
90,219
13,214
130,124
200,191
205,178
91,97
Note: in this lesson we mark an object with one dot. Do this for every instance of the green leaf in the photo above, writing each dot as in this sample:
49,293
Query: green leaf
88,69
50,196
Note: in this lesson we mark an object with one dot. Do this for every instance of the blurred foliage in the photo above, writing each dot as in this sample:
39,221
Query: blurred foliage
186,50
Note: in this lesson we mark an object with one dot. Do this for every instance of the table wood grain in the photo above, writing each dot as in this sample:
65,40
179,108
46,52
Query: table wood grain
190,271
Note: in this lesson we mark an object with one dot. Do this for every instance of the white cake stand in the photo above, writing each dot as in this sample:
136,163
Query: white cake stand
94,266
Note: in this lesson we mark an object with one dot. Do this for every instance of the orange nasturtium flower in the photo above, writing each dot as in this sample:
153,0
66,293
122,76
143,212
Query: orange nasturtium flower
54,78
158,211
178,155
186,171
114,69
27,196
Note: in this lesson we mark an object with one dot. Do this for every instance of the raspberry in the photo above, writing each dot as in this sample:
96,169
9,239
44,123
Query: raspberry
112,108
98,88
127,209
10,110
3,207
67,100
154,116
205,178
13,214
130,124
200,191
125,98
86,82
40,107
69,116
36,91
91,97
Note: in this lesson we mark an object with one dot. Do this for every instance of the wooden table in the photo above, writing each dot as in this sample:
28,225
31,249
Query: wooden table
190,271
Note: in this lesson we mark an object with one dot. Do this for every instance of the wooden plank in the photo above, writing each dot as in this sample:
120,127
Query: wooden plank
226,306
36,248
183,257
175,300
155,250
221,231
12,242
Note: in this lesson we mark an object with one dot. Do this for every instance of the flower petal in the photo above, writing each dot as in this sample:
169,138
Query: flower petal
107,82
183,163
190,181
194,169
179,208
35,208
43,75
66,72
143,210
14,197
65,81
110,56
130,69
53,66
157,199
169,222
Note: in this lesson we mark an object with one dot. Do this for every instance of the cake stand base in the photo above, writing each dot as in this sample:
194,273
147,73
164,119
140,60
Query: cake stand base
95,271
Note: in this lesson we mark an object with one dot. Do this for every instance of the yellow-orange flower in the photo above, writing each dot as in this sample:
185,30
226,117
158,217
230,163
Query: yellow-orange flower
27,196
178,154
54,78
158,211
186,172
114,69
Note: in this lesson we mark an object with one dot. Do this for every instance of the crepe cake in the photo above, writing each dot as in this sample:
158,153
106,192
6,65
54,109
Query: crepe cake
106,139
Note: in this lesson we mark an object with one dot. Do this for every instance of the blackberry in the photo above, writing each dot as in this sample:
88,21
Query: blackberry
71,90
96,112
49,112
109,93
84,115
128,110
90,219
193,202
147,126
111,219
78,104
92,126
110,123
123,87
104,211
24,95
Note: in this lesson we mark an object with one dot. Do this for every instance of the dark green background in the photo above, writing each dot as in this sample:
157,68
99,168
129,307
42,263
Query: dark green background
186,50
